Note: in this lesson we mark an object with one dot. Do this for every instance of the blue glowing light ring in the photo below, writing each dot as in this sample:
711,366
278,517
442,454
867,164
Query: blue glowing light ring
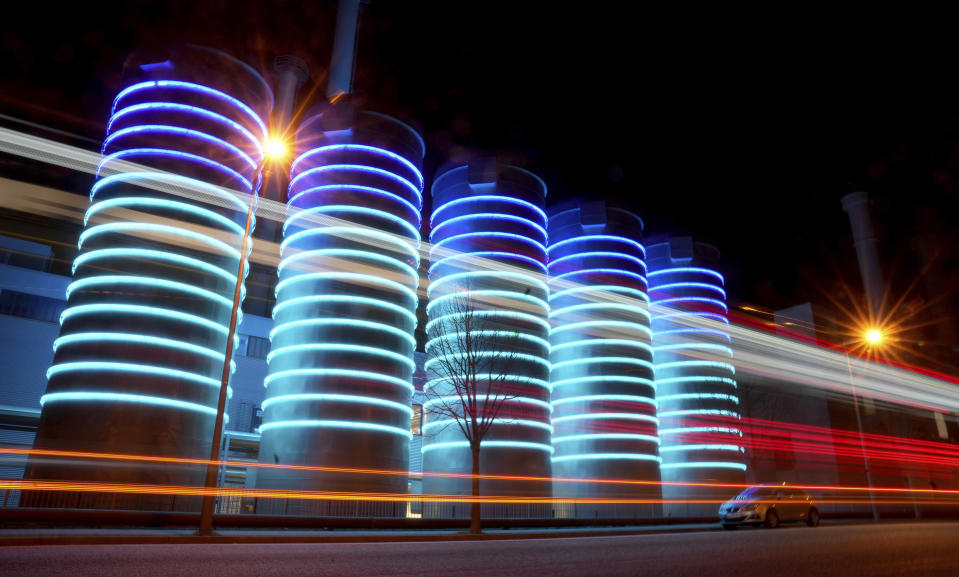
166,152
186,132
141,339
490,445
488,198
606,416
347,254
350,373
709,301
490,333
344,298
153,282
704,465
699,379
358,168
538,302
113,227
515,379
338,398
305,212
474,260
602,237
189,86
687,270
701,346
102,366
683,396
491,215
642,311
603,398
506,356
607,324
497,421
162,203
404,244
638,294
128,398
684,430
333,321
485,314
147,254
143,310
219,118
338,425
414,210
344,348
605,378
364,278
601,253
693,285
604,271
364,148
705,364
611,360
605,437
521,277
457,400
608,456
691,412
603,342
190,183
436,245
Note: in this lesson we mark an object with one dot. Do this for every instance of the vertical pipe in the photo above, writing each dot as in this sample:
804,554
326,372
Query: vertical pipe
856,205
344,49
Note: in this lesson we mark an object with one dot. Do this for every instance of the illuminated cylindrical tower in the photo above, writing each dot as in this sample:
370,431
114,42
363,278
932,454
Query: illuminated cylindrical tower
141,348
604,407
698,405
339,388
488,264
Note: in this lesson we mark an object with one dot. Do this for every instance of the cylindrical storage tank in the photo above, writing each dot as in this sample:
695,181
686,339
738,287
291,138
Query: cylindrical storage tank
488,265
138,362
696,391
339,385
604,406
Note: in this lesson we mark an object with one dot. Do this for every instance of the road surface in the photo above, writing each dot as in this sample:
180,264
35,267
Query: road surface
926,549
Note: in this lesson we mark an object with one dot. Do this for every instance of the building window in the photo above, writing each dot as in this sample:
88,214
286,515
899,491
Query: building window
254,347
256,420
30,306
416,424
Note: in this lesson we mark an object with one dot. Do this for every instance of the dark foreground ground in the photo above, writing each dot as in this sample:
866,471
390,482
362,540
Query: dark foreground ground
927,549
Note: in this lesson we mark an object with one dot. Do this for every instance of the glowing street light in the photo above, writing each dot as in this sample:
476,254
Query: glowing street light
275,149
874,336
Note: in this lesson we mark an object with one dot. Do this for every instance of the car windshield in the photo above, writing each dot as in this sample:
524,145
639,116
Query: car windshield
756,493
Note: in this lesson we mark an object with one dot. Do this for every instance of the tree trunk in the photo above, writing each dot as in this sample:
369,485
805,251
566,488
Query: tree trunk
475,505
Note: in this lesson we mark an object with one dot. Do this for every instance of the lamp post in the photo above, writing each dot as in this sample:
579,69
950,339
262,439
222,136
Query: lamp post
273,149
870,336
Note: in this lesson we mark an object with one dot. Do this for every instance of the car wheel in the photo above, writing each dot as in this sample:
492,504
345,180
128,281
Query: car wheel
812,519
772,519
728,526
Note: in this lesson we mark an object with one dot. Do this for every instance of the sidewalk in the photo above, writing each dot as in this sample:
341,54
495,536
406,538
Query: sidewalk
119,536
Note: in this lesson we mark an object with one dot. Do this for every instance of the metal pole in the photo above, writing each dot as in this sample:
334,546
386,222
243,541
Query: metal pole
862,444
212,468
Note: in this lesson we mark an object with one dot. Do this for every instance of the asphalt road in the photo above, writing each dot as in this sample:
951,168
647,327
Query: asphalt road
927,549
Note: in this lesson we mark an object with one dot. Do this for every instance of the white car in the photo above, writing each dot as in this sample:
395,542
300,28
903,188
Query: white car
769,505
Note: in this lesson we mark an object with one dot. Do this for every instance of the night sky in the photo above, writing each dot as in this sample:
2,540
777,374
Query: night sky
744,129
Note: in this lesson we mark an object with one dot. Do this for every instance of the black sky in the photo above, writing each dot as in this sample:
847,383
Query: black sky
744,129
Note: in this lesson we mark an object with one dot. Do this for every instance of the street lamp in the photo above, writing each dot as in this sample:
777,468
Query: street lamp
274,151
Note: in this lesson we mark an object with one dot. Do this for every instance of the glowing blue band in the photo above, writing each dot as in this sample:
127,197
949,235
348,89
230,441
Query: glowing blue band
179,130
103,366
518,379
149,281
603,324
705,364
509,217
699,412
348,253
135,338
505,356
605,378
475,260
603,342
490,445
337,398
606,416
359,168
124,398
604,398
600,290
601,253
705,447
683,396
192,185
145,254
682,285
595,360
357,188
364,148
485,235
346,299
700,346
589,271
126,201
343,348
690,270
351,276
526,278
345,322
404,244
189,86
601,237
642,311
498,421
306,212
486,198
610,456
142,310
711,465
338,425
218,118
452,400
489,314
699,379
500,334
605,437
350,373
684,430
476,296
714,302
114,227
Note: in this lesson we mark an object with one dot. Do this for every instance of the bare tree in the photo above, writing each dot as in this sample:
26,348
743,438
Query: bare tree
471,356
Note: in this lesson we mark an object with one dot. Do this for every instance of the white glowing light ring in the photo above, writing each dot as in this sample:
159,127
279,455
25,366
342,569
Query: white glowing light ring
692,315
688,412
437,245
486,314
306,212
699,346
349,373
127,398
142,310
489,198
344,322
605,417
126,201
498,334
146,254
600,290
603,324
608,456
605,378
514,379
358,278
164,180
152,282
642,311
497,421
505,356
359,168
477,295
338,425
324,298
363,235
338,398
606,398
703,364
520,277
452,400
476,260
492,215
603,271
606,437
685,430
600,360
699,379
703,447
414,210
135,338
490,445
104,366
688,270
601,253
682,285
704,465
603,342
347,253
684,300
121,227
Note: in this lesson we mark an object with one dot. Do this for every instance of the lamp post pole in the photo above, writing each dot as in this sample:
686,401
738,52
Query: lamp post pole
213,466
862,444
